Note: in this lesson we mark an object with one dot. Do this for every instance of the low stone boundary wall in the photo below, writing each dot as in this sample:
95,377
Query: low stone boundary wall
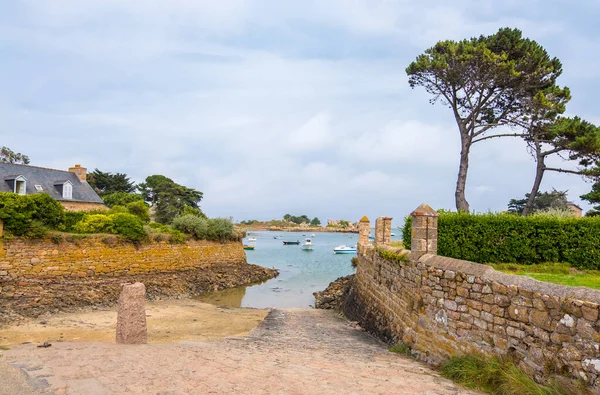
109,256
442,307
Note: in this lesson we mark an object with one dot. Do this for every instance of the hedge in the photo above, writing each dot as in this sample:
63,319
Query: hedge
509,238
25,215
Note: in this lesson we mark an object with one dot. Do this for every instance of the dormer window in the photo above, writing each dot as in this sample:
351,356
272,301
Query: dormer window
65,188
68,190
20,185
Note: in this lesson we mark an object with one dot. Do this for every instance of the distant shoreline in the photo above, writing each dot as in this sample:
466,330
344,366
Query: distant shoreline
319,229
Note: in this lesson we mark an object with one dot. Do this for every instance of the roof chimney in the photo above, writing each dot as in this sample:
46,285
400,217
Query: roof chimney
81,172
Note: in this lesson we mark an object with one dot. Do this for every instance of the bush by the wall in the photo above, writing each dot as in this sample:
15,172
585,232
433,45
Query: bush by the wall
95,223
192,225
129,226
220,229
509,238
140,210
18,212
71,219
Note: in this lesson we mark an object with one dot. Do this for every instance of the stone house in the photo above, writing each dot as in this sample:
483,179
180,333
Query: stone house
70,188
575,209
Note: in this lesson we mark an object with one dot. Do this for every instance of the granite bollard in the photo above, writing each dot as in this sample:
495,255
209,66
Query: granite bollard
131,315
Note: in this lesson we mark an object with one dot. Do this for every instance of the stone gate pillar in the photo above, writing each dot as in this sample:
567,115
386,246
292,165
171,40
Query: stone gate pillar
383,230
424,232
364,230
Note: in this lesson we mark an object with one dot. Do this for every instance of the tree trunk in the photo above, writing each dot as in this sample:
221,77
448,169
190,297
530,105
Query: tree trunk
463,168
539,174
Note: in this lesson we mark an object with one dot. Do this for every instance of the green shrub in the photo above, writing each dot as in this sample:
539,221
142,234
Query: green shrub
140,210
220,229
36,230
71,218
116,210
187,210
177,237
48,211
129,226
95,223
19,211
192,225
400,348
496,376
120,198
507,238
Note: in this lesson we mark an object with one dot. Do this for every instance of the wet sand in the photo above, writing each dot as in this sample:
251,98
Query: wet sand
169,321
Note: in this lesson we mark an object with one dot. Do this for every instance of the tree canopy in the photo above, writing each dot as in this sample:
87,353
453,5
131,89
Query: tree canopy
9,156
302,219
105,183
544,200
593,197
487,82
169,197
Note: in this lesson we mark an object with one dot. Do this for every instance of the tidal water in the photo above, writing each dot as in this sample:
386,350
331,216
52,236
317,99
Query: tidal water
300,272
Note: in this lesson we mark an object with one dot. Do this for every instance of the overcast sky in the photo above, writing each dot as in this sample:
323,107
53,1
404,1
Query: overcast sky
273,107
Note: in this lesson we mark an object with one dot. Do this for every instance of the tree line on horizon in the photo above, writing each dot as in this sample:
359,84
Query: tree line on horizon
506,80
301,219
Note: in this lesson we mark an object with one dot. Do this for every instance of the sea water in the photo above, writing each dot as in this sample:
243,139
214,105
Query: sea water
301,272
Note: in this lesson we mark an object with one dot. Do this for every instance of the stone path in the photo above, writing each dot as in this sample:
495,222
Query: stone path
294,351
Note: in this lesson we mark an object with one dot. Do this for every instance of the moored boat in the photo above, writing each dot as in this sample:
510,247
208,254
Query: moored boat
344,249
247,247
308,245
287,243
251,239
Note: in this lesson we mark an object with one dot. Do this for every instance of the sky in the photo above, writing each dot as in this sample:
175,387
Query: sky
271,107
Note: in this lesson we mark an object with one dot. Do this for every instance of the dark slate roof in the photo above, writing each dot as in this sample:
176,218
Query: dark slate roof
47,178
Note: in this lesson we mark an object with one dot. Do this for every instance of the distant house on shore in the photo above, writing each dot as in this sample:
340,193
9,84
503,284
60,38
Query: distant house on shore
575,209
70,188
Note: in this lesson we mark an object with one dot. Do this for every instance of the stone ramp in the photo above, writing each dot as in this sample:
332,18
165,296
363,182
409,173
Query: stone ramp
294,351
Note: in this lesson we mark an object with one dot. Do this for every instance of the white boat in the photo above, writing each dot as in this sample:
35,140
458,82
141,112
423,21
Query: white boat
393,234
308,245
344,249
313,235
251,239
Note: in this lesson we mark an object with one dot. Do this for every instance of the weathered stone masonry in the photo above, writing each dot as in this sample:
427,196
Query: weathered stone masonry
38,276
443,307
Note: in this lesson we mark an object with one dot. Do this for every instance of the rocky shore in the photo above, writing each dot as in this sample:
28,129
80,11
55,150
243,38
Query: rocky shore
334,295
31,298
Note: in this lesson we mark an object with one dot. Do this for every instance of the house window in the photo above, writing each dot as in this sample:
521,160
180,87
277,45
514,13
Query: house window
67,190
38,188
20,185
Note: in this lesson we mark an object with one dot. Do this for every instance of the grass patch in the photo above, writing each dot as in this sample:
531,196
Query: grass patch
4,348
400,348
397,243
557,273
495,376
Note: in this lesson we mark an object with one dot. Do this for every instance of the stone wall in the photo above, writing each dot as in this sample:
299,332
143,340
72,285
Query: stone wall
442,307
41,276
83,206
109,256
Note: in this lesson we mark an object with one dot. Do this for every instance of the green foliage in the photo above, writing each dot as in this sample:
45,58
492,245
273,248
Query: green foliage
108,183
9,156
187,210
95,223
302,219
354,262
120,198
72,218
315,222
508,238
557,273
170,198
140,210
116,210
36,230
129,226
220,229
392,256
400,348
542,201
20,211
593,197
495,376
555,213
192,225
